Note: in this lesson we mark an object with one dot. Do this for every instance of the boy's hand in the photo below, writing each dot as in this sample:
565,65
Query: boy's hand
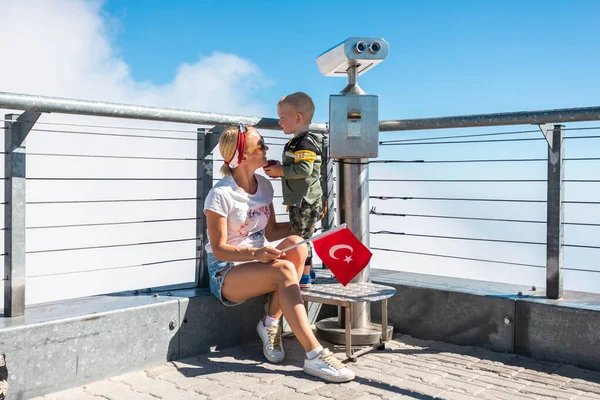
274,171
325,208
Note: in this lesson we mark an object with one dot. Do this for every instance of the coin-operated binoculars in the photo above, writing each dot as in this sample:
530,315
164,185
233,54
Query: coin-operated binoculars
354,138
353,114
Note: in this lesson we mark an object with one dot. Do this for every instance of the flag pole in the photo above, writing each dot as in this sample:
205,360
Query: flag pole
320,235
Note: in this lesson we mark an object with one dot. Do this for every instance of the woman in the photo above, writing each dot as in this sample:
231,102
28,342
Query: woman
239,215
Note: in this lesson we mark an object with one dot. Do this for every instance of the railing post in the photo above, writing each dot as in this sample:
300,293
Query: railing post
327,186
16,130
207,140
554,232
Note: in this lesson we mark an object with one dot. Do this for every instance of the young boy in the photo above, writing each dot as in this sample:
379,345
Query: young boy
300,171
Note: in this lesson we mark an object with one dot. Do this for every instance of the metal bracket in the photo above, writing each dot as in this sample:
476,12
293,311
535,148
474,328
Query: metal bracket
24,123
207,140
548,132
212,137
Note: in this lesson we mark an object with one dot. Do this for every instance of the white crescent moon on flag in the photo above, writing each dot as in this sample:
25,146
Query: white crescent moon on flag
335,248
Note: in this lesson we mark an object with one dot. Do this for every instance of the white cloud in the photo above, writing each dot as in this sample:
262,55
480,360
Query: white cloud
65,48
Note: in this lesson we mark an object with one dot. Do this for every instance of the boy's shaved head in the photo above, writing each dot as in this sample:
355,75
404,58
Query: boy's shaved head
301,102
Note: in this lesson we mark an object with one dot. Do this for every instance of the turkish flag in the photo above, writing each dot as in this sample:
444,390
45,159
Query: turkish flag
343,254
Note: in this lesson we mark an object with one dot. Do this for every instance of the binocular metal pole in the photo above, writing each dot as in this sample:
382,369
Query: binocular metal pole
353,206
353,192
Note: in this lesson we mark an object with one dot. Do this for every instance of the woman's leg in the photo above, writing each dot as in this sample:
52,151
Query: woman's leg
280,277
297,256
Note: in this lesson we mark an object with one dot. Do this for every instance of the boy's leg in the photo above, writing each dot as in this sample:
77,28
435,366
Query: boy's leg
297,227
303,221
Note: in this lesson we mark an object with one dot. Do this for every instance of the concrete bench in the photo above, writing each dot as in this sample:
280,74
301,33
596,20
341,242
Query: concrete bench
328,290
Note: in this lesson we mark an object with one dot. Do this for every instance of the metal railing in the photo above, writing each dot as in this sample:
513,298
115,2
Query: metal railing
554,223
18,127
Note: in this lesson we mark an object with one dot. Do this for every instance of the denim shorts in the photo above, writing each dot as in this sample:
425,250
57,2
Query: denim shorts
217,270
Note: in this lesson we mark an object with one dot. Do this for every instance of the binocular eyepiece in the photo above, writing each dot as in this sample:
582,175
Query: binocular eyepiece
362,46
374,47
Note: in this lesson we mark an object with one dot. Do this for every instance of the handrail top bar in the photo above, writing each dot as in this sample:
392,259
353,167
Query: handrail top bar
496,119
104,109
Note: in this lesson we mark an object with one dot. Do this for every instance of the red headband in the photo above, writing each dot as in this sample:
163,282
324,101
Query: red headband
240,147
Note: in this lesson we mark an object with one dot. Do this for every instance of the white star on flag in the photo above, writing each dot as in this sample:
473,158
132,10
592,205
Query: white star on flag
348,259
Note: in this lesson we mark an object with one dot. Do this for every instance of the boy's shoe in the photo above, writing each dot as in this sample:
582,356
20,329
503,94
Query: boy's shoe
313,276
3,377
305,282
328,367
271,340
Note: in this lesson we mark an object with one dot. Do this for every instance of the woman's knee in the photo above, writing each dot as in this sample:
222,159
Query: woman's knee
301,250
287,271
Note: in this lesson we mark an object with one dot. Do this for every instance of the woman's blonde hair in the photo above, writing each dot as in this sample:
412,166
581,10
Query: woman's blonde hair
228,145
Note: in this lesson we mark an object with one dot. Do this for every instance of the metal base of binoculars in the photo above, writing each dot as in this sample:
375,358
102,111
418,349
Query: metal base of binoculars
371,336
354,299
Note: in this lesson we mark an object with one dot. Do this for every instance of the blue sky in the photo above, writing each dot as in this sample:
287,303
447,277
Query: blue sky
445,57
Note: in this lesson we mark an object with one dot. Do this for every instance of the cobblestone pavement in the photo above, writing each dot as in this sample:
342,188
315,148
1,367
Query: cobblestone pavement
408,369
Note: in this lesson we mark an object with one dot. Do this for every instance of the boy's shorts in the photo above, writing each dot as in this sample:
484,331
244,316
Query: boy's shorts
303,220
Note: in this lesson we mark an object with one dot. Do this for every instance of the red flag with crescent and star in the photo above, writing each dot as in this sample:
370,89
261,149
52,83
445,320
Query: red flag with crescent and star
343,253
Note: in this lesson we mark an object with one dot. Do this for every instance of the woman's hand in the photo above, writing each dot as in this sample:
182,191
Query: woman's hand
268,254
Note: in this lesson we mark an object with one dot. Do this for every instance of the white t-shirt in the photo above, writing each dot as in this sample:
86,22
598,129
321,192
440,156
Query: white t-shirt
247,214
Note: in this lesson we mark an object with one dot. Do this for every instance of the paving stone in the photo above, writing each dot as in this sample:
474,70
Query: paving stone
407,340
503,383
160,369
368,396
418,375
191,395
263,389
71,394
303,384
180,380
495,368
337,392
113,390
533,365
422,388
546,379
489,355
401,359
576,373
449,395
290,394
548,391
457,372
499,394
214,391
462,386
409,368
371,375
583,387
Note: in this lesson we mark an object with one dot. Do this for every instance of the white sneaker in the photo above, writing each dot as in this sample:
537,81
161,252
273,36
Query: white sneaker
328,367
271,339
